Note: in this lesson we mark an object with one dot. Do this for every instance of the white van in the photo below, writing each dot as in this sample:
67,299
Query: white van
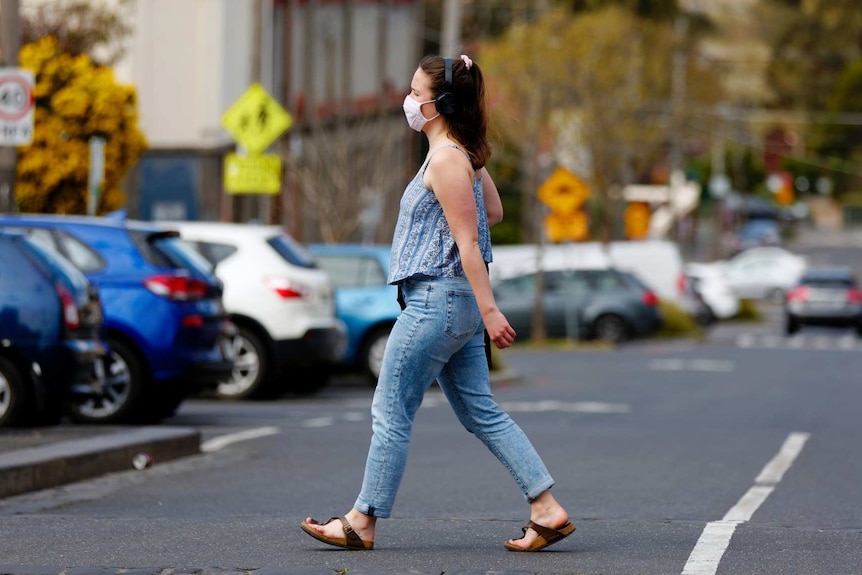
514,260
657,263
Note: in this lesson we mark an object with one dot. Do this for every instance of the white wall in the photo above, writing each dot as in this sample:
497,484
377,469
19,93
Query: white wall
189,60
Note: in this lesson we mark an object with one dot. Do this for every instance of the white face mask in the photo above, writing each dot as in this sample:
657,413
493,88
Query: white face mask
413,111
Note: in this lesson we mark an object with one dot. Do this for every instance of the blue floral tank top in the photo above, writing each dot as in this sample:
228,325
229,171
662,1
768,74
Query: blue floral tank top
423,243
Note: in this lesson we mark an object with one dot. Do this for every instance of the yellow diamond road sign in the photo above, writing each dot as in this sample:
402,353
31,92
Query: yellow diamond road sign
256,119
563,191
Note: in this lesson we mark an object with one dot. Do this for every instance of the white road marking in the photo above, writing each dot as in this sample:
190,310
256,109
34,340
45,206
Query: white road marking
318,422
819,342
714,540
708,365
222,441
567,406
778,466
714,365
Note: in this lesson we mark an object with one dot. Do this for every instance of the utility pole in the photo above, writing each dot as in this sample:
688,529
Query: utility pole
678,89
10,45
450,39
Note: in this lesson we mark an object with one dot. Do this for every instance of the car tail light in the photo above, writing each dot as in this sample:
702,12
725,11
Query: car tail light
286,288
681,284
193,321
649,298
854,296
71,315
177,288
798,294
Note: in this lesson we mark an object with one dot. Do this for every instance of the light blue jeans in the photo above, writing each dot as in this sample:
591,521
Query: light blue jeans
439,336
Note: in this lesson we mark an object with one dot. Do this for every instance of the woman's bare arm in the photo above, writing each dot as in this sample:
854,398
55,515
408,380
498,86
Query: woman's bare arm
493,204
453,187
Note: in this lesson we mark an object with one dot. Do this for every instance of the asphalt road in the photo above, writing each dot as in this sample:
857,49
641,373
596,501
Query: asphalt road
738,455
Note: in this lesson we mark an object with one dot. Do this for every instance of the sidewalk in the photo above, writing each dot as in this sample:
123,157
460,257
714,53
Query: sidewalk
39,458
33,459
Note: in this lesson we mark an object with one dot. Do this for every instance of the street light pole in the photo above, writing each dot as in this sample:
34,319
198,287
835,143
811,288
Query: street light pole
10,45
450,41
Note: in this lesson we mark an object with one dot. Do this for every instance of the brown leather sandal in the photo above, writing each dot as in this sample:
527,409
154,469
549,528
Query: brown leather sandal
547,536
351,539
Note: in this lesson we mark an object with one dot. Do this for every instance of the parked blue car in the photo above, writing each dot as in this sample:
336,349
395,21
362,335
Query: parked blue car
51,349
165,323
364,300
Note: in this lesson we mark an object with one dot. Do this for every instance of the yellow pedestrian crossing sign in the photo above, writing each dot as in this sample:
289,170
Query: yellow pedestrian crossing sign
256,119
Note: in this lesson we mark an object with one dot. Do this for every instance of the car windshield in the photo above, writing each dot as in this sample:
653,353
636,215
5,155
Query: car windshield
291,251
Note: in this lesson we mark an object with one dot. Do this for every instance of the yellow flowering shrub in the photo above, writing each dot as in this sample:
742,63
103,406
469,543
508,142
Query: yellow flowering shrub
75,100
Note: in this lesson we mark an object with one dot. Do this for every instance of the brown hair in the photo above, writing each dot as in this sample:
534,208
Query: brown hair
468,122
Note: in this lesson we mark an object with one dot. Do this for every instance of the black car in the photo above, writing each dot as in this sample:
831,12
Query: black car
51,349
604,304
825,297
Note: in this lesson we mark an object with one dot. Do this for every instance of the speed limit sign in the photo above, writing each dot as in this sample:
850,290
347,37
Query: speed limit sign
16,107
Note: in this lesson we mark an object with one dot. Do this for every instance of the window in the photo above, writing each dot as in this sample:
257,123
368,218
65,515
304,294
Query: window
291,251
80,254
214,253
520,286
352,271
66,245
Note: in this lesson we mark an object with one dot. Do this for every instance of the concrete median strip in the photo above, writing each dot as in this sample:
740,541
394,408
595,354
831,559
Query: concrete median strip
35,468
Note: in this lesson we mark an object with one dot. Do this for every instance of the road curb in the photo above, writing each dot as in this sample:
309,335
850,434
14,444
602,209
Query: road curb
35,468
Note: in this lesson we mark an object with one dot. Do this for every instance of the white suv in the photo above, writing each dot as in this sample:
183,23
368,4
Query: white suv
289,338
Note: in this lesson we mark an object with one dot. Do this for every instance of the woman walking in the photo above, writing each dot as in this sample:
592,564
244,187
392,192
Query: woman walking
440,251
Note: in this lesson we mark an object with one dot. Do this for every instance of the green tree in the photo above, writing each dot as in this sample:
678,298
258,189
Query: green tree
817,42
594,85
651,9
838,142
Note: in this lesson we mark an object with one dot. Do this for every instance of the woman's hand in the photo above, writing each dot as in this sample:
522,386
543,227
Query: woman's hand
499,329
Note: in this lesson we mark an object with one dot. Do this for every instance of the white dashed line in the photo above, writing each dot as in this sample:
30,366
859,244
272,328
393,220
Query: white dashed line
707,365
318,422
571,407
819,342
714,540
224,440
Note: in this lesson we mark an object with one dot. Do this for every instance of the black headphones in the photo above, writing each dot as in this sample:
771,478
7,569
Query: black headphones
445,102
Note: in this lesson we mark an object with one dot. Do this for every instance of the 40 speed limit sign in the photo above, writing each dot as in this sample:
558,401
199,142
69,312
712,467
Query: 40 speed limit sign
16,107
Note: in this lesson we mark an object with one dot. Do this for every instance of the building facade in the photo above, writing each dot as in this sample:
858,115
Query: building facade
339,68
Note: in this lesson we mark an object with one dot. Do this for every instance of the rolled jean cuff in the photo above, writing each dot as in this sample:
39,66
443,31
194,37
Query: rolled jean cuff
538,489
363,507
